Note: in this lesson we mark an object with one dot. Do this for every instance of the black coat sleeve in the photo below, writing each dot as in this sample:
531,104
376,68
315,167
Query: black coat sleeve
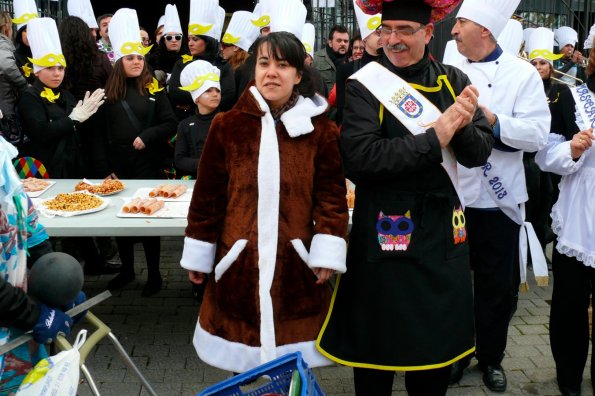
16,308
36,123
228,87
177,96
183,154
563,114
164,124
367,153
99,141
343,72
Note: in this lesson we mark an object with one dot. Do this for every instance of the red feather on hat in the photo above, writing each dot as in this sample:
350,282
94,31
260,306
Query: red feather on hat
440,8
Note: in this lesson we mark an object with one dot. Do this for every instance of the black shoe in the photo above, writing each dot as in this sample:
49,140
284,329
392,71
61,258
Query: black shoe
121,280
494,377
102,269
457,369
152,286
569,390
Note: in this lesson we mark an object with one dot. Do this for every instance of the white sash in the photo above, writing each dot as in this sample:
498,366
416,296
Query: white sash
585,102
409,106
496,187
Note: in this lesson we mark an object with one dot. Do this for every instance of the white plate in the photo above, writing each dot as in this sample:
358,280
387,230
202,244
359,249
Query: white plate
96,184
41,208
144,193
171,209
35,194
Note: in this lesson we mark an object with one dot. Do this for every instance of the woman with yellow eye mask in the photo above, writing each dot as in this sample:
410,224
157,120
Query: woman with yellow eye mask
129,133
204,31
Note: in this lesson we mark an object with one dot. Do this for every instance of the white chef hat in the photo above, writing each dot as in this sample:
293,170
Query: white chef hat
203,18
220,21
565,35
511,37
491,14
44,41
124,34
24,11
84,10
161,21
367,23
309,38
541,45
262,14
240,31
288,16
198,77
171,20
527,33
589,40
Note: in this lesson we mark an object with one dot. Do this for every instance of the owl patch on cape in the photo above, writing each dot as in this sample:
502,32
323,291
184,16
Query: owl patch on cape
394,231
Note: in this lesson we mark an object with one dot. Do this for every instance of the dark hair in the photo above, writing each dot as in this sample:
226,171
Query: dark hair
115,87
286,46
351,43
78,48
211,51
19,37
338,29
102,17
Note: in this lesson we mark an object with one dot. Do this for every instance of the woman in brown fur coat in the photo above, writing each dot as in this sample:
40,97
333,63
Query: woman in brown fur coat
268,218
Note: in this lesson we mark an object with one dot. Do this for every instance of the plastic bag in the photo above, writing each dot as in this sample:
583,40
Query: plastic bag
56,375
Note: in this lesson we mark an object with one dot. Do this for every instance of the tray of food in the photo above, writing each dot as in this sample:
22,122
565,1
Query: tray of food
35,187
153,207
166,192
72,204
106,187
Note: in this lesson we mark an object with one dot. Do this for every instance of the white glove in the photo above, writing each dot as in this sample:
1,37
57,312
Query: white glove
88,106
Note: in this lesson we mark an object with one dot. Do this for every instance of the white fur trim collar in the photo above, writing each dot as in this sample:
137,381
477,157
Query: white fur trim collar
298,119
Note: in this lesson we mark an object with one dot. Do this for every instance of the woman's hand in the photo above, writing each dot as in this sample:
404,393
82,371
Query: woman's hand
323,274
138,144
580,143
196,277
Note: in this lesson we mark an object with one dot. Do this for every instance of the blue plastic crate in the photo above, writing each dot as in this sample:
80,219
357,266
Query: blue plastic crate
279,371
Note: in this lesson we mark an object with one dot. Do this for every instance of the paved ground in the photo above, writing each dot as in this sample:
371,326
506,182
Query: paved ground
157,333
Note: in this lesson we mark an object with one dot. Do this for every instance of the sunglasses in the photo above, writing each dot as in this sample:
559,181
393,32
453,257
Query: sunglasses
170,37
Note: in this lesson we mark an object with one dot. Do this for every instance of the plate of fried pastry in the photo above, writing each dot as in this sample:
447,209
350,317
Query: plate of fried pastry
106,187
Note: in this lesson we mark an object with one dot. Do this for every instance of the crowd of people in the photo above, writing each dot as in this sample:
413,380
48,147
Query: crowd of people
457,166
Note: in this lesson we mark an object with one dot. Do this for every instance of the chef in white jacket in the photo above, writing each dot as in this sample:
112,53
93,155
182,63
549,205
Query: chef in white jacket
512,97
573,260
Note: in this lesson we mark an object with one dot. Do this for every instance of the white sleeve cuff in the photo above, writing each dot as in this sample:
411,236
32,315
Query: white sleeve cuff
328,251
198,255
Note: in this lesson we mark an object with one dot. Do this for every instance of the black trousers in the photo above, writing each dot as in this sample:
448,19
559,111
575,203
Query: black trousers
493,246
370,382
152,247
569,319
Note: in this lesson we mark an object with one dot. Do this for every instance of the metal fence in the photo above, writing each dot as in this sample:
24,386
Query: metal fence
47,8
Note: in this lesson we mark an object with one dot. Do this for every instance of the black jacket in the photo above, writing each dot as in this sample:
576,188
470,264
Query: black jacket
388,152
561,105
54,136
192,134
16,308
408,285
114,132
